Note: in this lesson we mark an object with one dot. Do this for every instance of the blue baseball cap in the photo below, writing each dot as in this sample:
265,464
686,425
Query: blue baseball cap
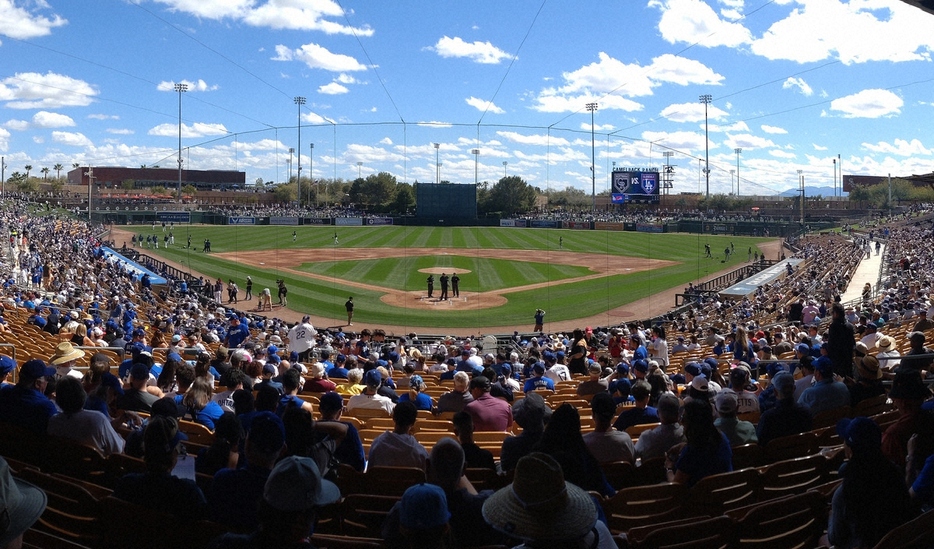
692,368
640,366
860,433
372,379
7,364
423,507
35,369
267,432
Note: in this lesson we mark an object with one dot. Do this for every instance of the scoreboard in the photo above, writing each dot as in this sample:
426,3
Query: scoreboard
636,186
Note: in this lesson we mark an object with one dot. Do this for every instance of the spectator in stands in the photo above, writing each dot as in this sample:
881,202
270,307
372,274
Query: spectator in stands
25,404
827,393
595,384
908,393
868,383
64,359
455,400
488,412
415,394
235,493
641,412
787,417
157,488
87,427
398,448
530,413
806,366
699,389
707,450
319,383
737,431
7,365
350,449
544,510
22,505
224,450
563,441
605,443
291,385
857,519
369,399
201,408
923,324
656,442
888,355
474,456
910,361
538,381
136,398
293,492
577,356
780,345
747,400
769,396
841,342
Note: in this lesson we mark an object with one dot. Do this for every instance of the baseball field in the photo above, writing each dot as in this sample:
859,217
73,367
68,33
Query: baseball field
578,277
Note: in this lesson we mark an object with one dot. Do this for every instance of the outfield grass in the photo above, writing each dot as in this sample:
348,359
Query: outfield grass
533,248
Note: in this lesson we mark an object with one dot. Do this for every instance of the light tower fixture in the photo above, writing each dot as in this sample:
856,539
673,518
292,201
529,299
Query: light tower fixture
291,152
706,99
476,164
181,88
299,100
667,185
592,107
359,164
732,173
311,174
801,185
437,147
737,151
504,168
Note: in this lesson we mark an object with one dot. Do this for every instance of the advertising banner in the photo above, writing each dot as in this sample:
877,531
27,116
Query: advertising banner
238,220
316,221
544,224
579,225
348,221
650,228
173,217
283,220
379,221
604,226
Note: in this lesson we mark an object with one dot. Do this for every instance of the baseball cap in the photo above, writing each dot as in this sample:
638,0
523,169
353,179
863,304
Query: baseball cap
295,484
784,382
331,401
35,369
726,402
823,365
700,383
372,379
267,432
860,433
423,507
692,368
7,364
269,368
640,366
139,371
803,349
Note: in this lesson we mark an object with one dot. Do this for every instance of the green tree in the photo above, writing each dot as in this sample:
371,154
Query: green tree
28,169
128,184
157,190
45,173
190,190
404,200
510,195
57,185
285,192
375,192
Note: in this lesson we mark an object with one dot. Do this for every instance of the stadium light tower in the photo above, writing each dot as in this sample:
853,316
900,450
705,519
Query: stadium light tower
504,168
801,185
592,107
291,152
706,99
311,174
737,151
732,173
667,185
180,88
437,162
299,100
476,164
359,164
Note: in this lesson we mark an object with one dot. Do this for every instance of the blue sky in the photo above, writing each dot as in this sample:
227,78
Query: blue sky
794,83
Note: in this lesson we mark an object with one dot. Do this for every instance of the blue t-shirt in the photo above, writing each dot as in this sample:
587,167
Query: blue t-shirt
538,382
421,402
703,462
209,414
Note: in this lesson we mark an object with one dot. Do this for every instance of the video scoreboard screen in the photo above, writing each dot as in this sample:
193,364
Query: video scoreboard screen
636,186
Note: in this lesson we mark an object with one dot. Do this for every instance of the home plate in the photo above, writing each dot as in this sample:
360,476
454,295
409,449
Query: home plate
262,263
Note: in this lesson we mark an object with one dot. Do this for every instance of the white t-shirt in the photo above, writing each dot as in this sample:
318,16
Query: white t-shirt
87,427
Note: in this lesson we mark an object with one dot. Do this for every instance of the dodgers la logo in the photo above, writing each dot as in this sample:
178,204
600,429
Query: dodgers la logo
648,184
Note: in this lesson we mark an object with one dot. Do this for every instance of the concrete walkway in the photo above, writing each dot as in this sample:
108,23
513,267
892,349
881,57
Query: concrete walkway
867,271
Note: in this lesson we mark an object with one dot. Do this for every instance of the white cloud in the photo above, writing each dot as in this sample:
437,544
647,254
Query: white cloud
17,125
199,86
597,127
273,14
315,118
819,147
734,127
4,139
898,31
103,117
900,147
691,112
694,21
319,57
344,78
683,141
31,90
482,105
549,102
773,129
73,139
795,82
872,103
332,89
537,139
778,153
385,141
22,24
198,129
748,141
45,119
478,52
120,131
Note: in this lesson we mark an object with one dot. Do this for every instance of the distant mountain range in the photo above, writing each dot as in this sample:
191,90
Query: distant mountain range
810,191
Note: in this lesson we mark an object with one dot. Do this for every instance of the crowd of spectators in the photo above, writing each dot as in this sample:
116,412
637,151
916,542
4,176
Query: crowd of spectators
719,374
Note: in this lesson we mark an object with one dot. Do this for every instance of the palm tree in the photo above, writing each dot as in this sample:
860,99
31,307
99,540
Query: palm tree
58,170
45,173
28,168
76,165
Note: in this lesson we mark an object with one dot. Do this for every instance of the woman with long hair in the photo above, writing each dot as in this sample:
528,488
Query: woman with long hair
198,400
707,450
563,441
742,348
658,349
166,380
